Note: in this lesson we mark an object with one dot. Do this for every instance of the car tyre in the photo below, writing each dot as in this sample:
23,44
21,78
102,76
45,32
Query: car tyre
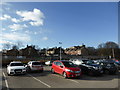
52,70
8,74
107,72
65,75
90,73
28,69
41,70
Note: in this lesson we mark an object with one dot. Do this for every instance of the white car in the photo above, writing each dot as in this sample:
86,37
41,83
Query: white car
48,63
16,67
77,61
34,66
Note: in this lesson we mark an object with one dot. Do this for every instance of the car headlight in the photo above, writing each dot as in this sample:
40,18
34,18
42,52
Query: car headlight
68,70
95,68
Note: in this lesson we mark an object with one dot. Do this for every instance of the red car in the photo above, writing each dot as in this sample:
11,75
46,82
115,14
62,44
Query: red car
65,68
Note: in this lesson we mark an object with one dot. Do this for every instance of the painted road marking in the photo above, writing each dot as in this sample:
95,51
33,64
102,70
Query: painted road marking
6,81
66,79
40,81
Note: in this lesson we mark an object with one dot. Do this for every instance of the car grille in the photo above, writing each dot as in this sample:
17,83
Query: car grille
76,71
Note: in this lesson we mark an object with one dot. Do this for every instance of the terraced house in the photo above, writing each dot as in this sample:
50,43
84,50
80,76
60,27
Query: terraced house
77,50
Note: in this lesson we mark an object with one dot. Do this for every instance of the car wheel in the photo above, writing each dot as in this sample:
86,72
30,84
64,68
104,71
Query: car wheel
52,70
8,74
107,72
64,74
90,73
41,70
28,69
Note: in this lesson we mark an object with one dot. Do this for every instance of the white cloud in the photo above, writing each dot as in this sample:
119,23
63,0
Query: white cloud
4,3
16,27
45,38
35,33
15,20
35,17
5,17
3,29
5,42
16,37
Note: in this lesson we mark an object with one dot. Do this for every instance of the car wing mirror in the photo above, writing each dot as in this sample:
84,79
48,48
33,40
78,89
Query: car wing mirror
61,66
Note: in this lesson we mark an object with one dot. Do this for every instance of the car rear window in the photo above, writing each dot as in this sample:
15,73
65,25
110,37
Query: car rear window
16,64
36,63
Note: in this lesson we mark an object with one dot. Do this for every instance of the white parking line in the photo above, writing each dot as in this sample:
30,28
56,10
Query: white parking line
40,81
66,79
6,81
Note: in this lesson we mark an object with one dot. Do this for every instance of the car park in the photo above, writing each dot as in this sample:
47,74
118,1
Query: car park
16,67
88,66
66,68
34,66
108,67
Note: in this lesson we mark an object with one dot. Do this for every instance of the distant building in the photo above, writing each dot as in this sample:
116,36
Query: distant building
29,51
55,51
77,50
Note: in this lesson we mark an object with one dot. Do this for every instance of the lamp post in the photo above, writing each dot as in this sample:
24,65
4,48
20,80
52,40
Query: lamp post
113,53
60,49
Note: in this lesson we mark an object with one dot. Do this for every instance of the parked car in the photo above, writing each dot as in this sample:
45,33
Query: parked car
108,67
78,61
49,63
88,66
34,66
65,68
117,64
15,68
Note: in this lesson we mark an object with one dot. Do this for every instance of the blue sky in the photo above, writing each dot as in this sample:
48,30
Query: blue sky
47,24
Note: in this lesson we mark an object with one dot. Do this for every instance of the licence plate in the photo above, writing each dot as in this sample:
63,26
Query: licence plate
77,74
18,71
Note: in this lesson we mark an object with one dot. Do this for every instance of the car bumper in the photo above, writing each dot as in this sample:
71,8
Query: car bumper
73,74
37,69
16,73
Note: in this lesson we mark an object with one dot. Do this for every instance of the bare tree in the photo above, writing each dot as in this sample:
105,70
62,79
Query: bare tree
19,44
6,46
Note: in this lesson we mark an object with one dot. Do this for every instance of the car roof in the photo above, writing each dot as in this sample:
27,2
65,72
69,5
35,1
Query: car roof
62,61
16,62
34,61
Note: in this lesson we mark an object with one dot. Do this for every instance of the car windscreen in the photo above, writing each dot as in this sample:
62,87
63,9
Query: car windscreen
85,61
16,64
36,63
90,62
69,64
111,65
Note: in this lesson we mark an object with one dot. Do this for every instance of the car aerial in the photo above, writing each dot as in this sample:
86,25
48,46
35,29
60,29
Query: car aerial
34,66
49,63
66,68
88,66
108,67
16,67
